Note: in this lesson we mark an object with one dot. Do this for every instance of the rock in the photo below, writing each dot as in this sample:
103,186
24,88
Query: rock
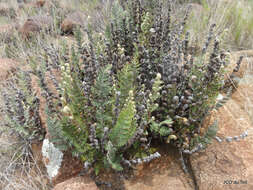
7,67
77,183
30,27
35,24
229,162
70,167
52,158
162,173
73,20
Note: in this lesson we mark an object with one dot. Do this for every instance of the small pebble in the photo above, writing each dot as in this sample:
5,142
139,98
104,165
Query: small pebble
245,133
157,154
218,139
229,139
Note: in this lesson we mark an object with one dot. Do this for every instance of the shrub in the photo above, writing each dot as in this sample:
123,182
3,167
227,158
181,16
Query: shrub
137,83
21,108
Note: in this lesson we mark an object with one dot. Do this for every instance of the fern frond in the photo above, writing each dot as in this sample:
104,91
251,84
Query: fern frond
125,83
126,125
155,94
102,99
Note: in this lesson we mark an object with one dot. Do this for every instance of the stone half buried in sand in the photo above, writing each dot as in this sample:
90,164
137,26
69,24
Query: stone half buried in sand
60,166
77,183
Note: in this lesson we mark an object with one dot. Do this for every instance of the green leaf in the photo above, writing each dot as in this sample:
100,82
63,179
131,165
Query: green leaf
113,158
167,122
125,126
165,131
125,82
163,128
102,102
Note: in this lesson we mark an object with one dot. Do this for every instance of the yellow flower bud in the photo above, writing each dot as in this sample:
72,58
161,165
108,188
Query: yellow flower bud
171,137
66,110
159,76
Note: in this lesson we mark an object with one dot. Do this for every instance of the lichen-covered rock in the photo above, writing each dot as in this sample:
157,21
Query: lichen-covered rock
35,24
77,183
73,20
52,158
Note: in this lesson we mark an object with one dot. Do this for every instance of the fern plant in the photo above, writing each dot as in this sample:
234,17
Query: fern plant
137,83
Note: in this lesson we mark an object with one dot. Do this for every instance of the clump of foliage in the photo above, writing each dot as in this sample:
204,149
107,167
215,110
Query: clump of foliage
136,83
21,108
